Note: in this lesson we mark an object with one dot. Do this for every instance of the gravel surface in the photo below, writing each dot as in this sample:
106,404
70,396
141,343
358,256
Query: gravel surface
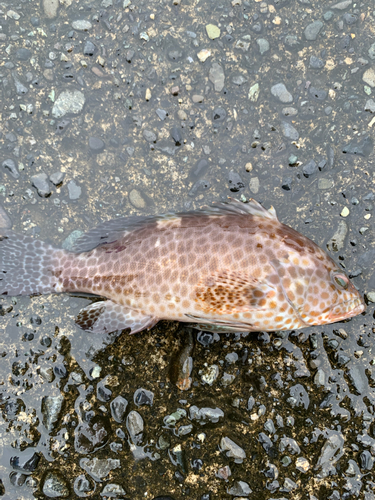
113,108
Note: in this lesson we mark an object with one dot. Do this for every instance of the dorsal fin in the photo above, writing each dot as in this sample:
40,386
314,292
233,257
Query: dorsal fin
234,206
112,230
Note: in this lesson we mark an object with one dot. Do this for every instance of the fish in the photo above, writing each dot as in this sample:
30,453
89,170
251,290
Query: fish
232,266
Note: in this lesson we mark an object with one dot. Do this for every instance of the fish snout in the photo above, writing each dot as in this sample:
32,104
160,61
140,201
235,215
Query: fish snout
347,309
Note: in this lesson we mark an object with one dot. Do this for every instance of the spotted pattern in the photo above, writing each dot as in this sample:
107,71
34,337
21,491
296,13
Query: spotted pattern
233,266
25,265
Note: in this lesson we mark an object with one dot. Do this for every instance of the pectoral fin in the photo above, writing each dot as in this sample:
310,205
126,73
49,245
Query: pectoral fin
229,292
106,317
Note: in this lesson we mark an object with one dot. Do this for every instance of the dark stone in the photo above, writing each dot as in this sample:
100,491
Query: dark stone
55,485
196,464
176,135
312,30
310,168
266,443
5,309
30,160
198,187
118,408
17,478
68,77
12,408
317,94
63,125
56,178
20,87
343,43
162,114
366,460
166,147
330,156
363,147
322,164
74,190
316,62
299,396
36,320
179,476
287,183
257,27
23,54
150,136
25,462
9,166
205,338
355,273
349,18
60,371
51,410
89,48
143,397
96,144
235,182
219,115
92,435
129,55
46,341
40,182
35,21
83,486
103,393
11,137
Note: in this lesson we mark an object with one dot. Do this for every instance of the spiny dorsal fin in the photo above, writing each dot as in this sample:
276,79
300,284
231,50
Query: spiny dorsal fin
234,206
112,230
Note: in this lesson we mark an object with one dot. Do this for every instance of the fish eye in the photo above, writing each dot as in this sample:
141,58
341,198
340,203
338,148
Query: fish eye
341,281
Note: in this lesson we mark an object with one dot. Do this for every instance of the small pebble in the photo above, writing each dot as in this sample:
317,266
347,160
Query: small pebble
204,54
212,31
136,199
74,190
81,25
40,182
345,212
280,91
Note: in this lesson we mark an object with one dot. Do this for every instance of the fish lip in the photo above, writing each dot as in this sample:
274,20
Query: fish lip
358,306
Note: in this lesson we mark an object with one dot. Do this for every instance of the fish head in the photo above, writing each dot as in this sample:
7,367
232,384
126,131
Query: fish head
318,290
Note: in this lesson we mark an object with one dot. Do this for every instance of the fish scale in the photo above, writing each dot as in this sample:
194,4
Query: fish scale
229,267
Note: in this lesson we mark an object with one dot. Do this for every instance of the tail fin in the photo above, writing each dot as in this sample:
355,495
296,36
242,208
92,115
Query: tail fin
27,265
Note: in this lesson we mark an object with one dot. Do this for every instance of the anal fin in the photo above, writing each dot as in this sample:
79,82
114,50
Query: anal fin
219,326
107,316
208,327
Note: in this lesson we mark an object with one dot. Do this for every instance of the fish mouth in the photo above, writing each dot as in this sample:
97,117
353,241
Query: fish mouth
347,309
